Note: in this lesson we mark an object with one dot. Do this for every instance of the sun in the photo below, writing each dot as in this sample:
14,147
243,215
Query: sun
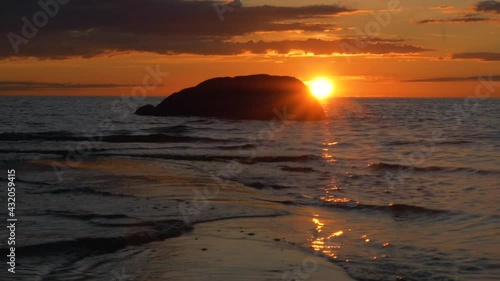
321,87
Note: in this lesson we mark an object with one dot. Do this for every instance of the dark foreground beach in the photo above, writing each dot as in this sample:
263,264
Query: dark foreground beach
384,189
167,223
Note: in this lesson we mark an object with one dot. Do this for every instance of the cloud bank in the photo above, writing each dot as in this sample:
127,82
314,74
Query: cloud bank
457,20
484,56
488,6
89,28
456,79
30,85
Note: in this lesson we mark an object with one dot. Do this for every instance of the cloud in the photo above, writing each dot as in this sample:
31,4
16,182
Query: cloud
97,44
456,79
484,56
163,17
89,28
323,47
488,6
30,85
457,20
471,15
442,7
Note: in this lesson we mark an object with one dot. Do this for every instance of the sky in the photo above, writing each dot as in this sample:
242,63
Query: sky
368,48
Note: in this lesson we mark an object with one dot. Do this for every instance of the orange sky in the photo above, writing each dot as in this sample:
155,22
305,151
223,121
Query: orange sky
424,49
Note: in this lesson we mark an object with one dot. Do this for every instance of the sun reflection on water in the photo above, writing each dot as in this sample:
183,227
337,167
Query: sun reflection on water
331,197
326,245
319,225
336,234
327,154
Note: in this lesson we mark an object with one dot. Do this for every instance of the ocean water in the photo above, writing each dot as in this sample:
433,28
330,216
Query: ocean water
401,189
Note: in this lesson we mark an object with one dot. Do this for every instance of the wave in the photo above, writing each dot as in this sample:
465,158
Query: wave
172,129
121,138
396,209
454,142
84,216
449,142
156,138
235,147
29,136
284,202
298,169
300,158
210,158
83,247
106,220
388,166
136,148
53,152
259,185
33,182
83,190
205,121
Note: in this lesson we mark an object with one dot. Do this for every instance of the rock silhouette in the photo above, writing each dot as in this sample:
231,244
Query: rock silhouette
257,97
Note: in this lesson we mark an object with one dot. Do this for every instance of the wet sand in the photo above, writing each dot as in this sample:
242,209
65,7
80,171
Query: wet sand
238,232
238,249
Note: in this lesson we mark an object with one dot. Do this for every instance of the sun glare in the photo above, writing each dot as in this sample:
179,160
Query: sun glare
321,88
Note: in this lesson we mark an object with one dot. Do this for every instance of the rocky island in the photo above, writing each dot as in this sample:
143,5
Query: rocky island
255,97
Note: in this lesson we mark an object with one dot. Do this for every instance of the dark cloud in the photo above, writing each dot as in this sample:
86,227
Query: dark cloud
88,28
457,20
97,43
488,6
162,17
30,85
444,7
485,56
456,79
471,17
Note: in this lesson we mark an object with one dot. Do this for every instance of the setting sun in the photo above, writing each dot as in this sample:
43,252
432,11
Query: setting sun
321,88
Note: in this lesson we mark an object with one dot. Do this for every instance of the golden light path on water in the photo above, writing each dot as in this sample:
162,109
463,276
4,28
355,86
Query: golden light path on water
326,239
326,244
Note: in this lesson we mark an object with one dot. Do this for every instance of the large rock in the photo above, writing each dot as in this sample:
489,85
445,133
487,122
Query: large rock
260,97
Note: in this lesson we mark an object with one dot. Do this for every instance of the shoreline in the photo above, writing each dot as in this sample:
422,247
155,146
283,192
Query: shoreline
242,231
238,249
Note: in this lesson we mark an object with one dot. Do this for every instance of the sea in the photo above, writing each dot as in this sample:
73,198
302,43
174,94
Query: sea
399,189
